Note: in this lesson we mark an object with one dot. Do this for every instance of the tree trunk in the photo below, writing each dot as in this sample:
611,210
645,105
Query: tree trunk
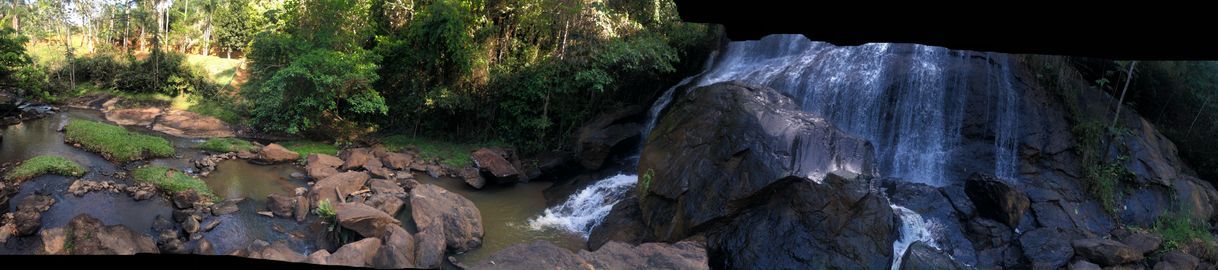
1128,78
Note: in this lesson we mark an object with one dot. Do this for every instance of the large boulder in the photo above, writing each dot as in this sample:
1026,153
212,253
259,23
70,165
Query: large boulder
397,251
429,248
1105,252
28,218
355,158
614,255
996,199
342,183
364,219
1177,260
279,251
597,139
1048,248
90,237
726,142
275,153
436,209
191,125
494,163
133,116
356,254
321,166
386,203
280,205
623,224
472,177
921,256
397,161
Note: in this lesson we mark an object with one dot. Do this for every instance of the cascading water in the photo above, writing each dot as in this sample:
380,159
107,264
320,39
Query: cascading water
909,100
913,228
588,207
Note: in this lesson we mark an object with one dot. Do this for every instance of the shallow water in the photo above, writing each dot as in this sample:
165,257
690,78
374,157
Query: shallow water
506,211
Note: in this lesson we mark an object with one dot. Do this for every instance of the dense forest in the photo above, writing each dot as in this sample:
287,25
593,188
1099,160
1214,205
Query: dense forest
525,73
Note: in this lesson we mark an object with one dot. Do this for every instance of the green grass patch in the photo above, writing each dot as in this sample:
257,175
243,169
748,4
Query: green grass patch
172,180
114,142
305,147
454,154
1179,230
225,145
225,111
40,165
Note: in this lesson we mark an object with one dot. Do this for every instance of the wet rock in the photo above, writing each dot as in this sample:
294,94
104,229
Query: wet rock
493,162
186,199
278,251
191,225
1177,260
1142,242
409,184
344,183
302,208
418,166
435,171
173,246
397,161
596,140
434,208
429,249
90,237
355,158
356,254
365,220
397,252
211,224
275,153
386,203
471,176
623,224
381,186
28,218
318,257
280,205
225,207
160,223
191,125
246,155
204,247
536,255
614,255
297,175
933,207
996,199
1105,252
54,241
921,256
1083,265
728,161
960,201
1047,248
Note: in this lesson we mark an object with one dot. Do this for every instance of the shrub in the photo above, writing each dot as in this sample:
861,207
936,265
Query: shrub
1179,230
320,92
172,180
40,165
114,142
326,210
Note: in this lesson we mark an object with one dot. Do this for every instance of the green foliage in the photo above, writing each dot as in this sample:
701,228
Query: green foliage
172,180
645,181
12,53
326,210
1180,230
454,154
224,145
40,165
163,73
317,91
114,142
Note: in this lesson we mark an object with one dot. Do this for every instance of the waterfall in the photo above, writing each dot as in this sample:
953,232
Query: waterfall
913,228
584,210
909,100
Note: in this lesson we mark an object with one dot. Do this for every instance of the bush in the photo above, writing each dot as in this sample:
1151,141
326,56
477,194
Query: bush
1179,230
225,145
40,165
172,180
114,142
326,210
322,92
160,73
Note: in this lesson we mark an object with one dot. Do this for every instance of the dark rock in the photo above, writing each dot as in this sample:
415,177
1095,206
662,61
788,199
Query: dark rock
436,209
186,199
204,247
1083,265
429,248
173,246
397,252
397,161
302,208
841,222
996,199
275,153
921,256
355,158
960,201
211,224
90,237
1177,260
555,164
614,255
624,224
1105,252
329,188
929,204
472,177
28,218
494,162
160,223
356,254
386,203
191,225
1142,242
536,255
596,140
731,158
1047,248
363,219
224,208
280,205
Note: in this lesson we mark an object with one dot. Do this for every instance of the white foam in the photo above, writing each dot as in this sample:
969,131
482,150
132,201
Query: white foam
913,228
586,208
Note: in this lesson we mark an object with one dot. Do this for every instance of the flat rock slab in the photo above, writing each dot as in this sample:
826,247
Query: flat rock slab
173,122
